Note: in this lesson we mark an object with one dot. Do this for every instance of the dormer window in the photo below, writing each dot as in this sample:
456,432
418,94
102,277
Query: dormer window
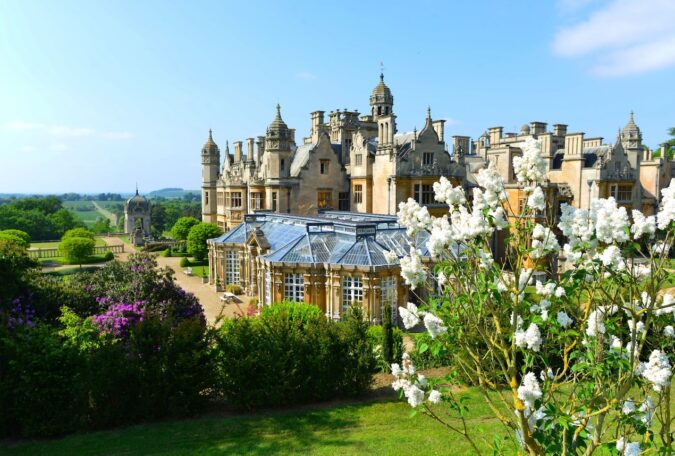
428,158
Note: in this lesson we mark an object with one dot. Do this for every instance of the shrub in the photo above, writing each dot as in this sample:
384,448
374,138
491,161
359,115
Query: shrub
291,354
376,335
22,236
184,262
234,289
78,233
166,253
76,249
429,353
109,256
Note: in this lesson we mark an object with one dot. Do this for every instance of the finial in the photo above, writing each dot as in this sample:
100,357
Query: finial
381,71
210,134
278,110
136,188
227,145
428,112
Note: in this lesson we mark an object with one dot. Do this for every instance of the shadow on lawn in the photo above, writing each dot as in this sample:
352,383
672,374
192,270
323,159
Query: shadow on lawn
262,434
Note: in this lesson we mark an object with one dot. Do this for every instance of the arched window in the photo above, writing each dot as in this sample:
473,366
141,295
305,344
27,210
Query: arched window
379,110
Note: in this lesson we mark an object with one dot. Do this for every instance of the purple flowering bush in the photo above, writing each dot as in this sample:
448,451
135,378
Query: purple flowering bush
120,318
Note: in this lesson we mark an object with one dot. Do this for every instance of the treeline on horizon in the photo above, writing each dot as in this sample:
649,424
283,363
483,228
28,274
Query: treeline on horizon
45,218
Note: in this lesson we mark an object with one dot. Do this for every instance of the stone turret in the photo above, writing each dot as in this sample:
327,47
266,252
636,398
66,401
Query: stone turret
210,174
381,100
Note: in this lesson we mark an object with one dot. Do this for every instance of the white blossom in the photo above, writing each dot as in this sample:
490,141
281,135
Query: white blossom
493,187
659,248
533,337
434,325
413,216
441,279
667,211
543,241
412,269
615,343
627,448
563,319
612,259
657,370
529,390
415,396
642,225
596,323
435,397
391,256
628,407
409,315
668,331
446,193
531,167
537,200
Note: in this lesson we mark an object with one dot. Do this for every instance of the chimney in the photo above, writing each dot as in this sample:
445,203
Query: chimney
559,129
260,150
292,133
574,144
439,126
537,128
460,147
495,134
317,124
237,151
249,149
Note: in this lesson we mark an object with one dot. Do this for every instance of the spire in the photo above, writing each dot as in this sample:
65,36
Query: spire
210,135
428,112
136,188
278,111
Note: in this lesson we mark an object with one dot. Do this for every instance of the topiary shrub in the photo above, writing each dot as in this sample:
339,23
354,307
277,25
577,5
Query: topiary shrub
184,262
376,335
234,288
109,256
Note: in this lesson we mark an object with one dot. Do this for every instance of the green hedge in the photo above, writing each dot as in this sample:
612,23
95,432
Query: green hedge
292,354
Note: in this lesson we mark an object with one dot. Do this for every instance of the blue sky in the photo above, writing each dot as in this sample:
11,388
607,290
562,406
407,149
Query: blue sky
96,96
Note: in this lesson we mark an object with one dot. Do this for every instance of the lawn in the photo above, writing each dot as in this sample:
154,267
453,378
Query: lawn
55,244
61,260
84,211
382,427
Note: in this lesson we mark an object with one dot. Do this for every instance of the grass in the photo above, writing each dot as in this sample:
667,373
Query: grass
84,211
125,239
55,244
61,260
199,268
382,427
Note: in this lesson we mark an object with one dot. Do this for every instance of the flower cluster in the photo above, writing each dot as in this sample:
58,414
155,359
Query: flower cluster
120,318
411,315
21,314
657,370
543,242
446,193
412,269
529,390
413,216
531,167
667,211
412,384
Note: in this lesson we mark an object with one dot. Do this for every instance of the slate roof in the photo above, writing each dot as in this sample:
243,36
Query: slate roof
333,237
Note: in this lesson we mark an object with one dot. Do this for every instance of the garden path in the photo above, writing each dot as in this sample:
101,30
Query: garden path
209,299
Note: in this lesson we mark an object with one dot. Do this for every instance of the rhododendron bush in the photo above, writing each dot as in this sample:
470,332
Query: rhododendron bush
569,336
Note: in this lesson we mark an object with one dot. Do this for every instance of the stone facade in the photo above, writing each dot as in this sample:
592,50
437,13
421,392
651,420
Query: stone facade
349,162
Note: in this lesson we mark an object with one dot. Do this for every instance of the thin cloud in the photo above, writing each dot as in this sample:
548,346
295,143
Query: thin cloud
58,147
305,75
63,131
623,37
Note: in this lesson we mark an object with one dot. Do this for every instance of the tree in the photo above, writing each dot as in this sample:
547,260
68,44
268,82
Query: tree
14,264
78,233
158,218
23,237
387,335
196,240
102,225
182,227
63,220
76,249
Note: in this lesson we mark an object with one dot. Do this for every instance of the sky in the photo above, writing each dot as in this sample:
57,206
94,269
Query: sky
96,96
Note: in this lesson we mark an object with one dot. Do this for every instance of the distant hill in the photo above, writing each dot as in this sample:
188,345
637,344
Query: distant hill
171,193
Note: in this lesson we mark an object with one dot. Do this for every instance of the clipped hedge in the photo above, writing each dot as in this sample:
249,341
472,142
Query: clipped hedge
292,354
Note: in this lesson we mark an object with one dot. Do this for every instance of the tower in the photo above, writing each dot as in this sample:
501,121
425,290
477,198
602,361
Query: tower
631,139
279,142
381,100
210,174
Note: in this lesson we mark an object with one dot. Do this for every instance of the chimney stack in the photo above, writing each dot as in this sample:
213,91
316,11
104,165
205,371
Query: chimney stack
559,129
249,149
237,151
439,127
260,150
537,128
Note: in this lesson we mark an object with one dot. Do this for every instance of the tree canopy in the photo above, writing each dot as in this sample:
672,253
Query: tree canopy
182,227
76,249
196,240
